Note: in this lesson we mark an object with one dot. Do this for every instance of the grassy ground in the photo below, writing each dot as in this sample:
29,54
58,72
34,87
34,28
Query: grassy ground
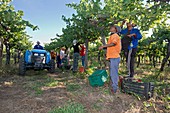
66,92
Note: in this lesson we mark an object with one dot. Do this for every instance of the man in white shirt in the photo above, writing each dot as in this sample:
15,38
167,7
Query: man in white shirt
62,54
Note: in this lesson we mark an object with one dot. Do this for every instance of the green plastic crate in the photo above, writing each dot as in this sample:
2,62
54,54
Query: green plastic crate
98,78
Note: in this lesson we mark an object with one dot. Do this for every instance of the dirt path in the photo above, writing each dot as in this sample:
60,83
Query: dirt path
16,97
42,92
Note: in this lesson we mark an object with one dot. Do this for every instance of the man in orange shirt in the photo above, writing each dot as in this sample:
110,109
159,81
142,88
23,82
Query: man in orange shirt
113,54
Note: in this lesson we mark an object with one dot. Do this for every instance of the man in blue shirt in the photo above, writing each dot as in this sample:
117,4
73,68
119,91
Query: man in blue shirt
38,46
130,39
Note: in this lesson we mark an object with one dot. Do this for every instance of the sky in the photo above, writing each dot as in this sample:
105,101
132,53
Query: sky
46,14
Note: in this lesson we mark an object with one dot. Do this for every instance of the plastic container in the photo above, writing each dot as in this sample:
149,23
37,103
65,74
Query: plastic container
143,89
98,78
81,69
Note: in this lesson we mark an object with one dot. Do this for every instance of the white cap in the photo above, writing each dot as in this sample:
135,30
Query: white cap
74,42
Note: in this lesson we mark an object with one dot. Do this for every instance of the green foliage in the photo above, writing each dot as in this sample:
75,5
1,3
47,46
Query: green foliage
69,108
12,26
161,33
156,45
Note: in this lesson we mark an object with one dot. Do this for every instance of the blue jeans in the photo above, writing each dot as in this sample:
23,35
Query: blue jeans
83,60
114,66
75,61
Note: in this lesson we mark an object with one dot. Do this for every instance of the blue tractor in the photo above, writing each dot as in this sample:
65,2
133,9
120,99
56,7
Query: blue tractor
36,59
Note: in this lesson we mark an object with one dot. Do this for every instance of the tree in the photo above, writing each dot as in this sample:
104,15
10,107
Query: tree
162,34
12,27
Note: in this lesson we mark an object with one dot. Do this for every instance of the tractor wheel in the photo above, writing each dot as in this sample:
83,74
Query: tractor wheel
22,67
52,66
